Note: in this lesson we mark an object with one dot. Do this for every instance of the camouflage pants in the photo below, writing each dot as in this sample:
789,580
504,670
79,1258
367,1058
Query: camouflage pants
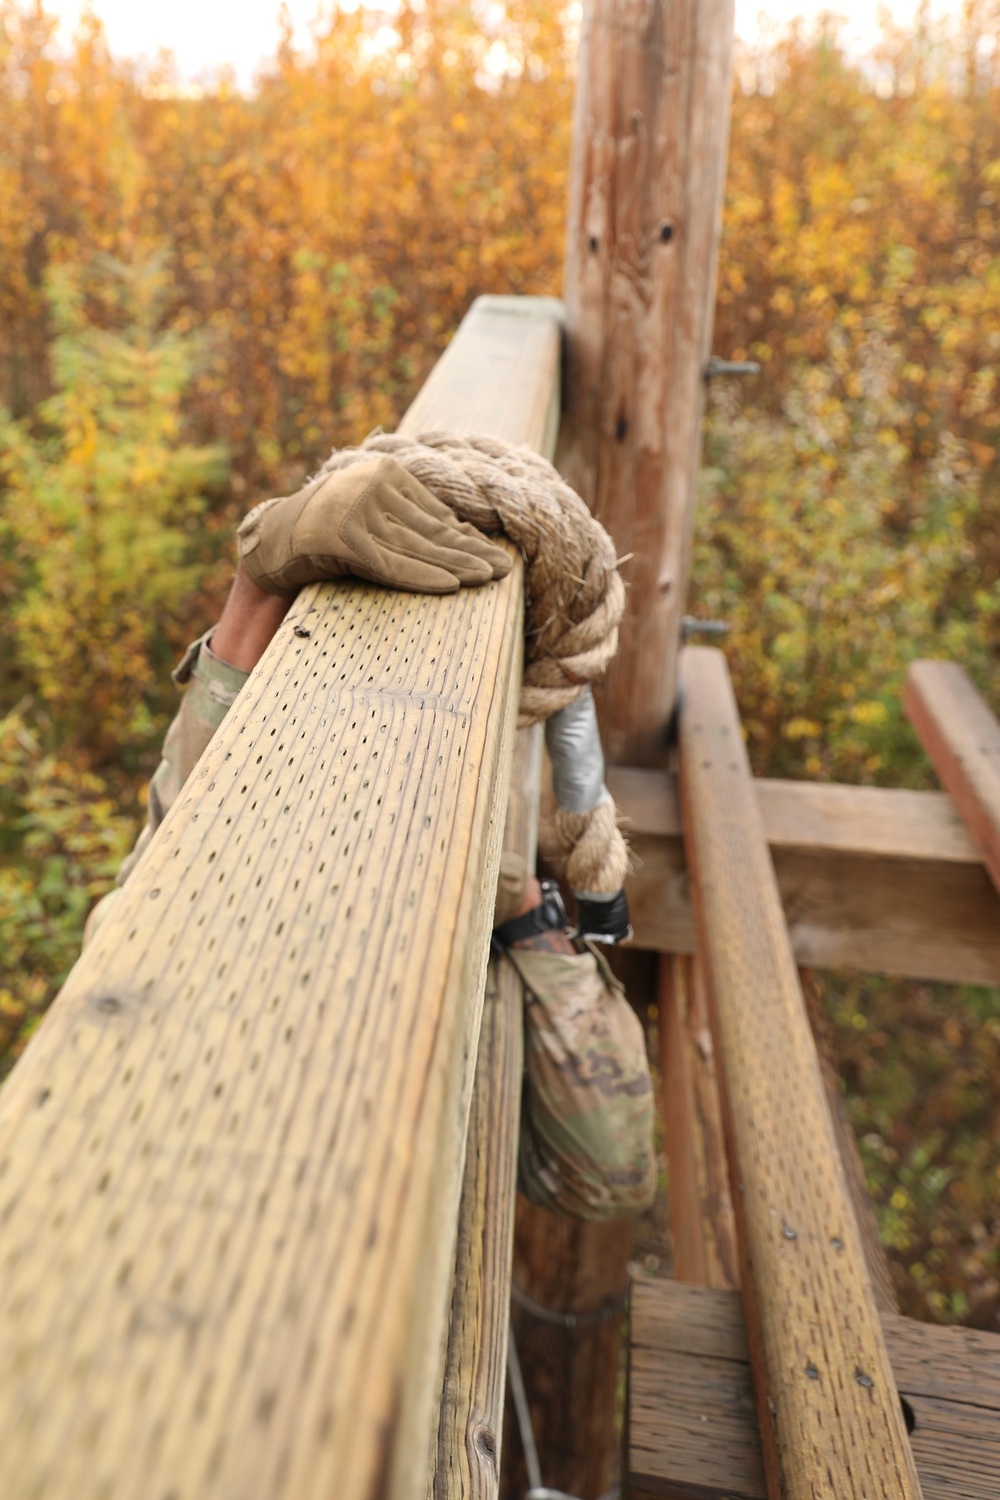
586,1143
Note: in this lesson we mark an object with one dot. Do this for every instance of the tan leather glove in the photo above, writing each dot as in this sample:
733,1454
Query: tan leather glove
373,520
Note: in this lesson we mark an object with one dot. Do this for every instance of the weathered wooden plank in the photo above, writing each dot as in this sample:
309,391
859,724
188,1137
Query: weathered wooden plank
946,1363
830,1421
871,878
850,1157
691,1426
702,1226
962,738
470,1419
230,1161
470,1427
500,375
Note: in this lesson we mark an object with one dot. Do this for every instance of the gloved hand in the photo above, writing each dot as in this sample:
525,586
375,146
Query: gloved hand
372,520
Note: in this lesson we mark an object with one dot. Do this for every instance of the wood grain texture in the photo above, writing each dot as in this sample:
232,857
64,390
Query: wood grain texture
650,138
702,1225
826,1403
569,1266
962,738
230,1161
850,1157
470,1427
871,878
691,1428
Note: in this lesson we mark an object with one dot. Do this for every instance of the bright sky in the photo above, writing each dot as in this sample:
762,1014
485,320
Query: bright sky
206,34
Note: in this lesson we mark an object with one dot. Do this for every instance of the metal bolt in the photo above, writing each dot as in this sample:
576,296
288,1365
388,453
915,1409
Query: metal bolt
717,367
692,626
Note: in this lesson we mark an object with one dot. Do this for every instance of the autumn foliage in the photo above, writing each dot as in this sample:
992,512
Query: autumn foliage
200,294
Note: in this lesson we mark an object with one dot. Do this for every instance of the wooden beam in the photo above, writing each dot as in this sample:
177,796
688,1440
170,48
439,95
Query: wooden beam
471,1416
827,1408
876,1258
691,1428
569,1344
650,139
702,1224
962,738
871,878
230,1161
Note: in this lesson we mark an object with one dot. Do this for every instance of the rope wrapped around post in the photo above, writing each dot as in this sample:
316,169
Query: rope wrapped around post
575,598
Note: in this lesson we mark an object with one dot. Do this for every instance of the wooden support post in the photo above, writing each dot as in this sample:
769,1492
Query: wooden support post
962,738
471,1417
871,878
702,1226
829,1415
230,1161
649,151
577,1275
650,137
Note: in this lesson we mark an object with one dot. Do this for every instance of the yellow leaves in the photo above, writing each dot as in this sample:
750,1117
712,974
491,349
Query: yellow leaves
870,712
802,729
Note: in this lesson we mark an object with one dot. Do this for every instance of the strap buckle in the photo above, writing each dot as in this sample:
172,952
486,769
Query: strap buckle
549,916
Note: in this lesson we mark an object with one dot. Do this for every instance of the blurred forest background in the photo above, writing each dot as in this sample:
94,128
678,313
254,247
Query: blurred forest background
201,292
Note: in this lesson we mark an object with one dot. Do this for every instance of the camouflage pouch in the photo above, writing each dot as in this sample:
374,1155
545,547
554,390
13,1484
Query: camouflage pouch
586,1145
212,690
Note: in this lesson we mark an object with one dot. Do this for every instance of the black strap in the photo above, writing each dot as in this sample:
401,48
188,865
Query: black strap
550,916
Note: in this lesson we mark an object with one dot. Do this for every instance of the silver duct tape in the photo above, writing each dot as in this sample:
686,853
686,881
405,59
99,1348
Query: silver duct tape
574,745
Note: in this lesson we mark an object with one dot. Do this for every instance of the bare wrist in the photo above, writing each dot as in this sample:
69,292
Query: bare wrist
248,622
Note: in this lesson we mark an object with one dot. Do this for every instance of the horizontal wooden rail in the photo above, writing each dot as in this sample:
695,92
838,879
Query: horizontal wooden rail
827,1407
230,1161
962,738
871,878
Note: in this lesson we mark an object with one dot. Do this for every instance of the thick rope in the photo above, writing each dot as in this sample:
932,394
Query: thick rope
575,596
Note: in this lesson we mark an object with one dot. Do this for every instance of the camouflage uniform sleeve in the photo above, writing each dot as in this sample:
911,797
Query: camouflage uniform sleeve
212,687
586,1146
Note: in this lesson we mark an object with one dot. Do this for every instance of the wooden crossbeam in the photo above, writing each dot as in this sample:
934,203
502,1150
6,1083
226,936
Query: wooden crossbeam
827,1409
691,1428
230,1161
962,738
882,880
